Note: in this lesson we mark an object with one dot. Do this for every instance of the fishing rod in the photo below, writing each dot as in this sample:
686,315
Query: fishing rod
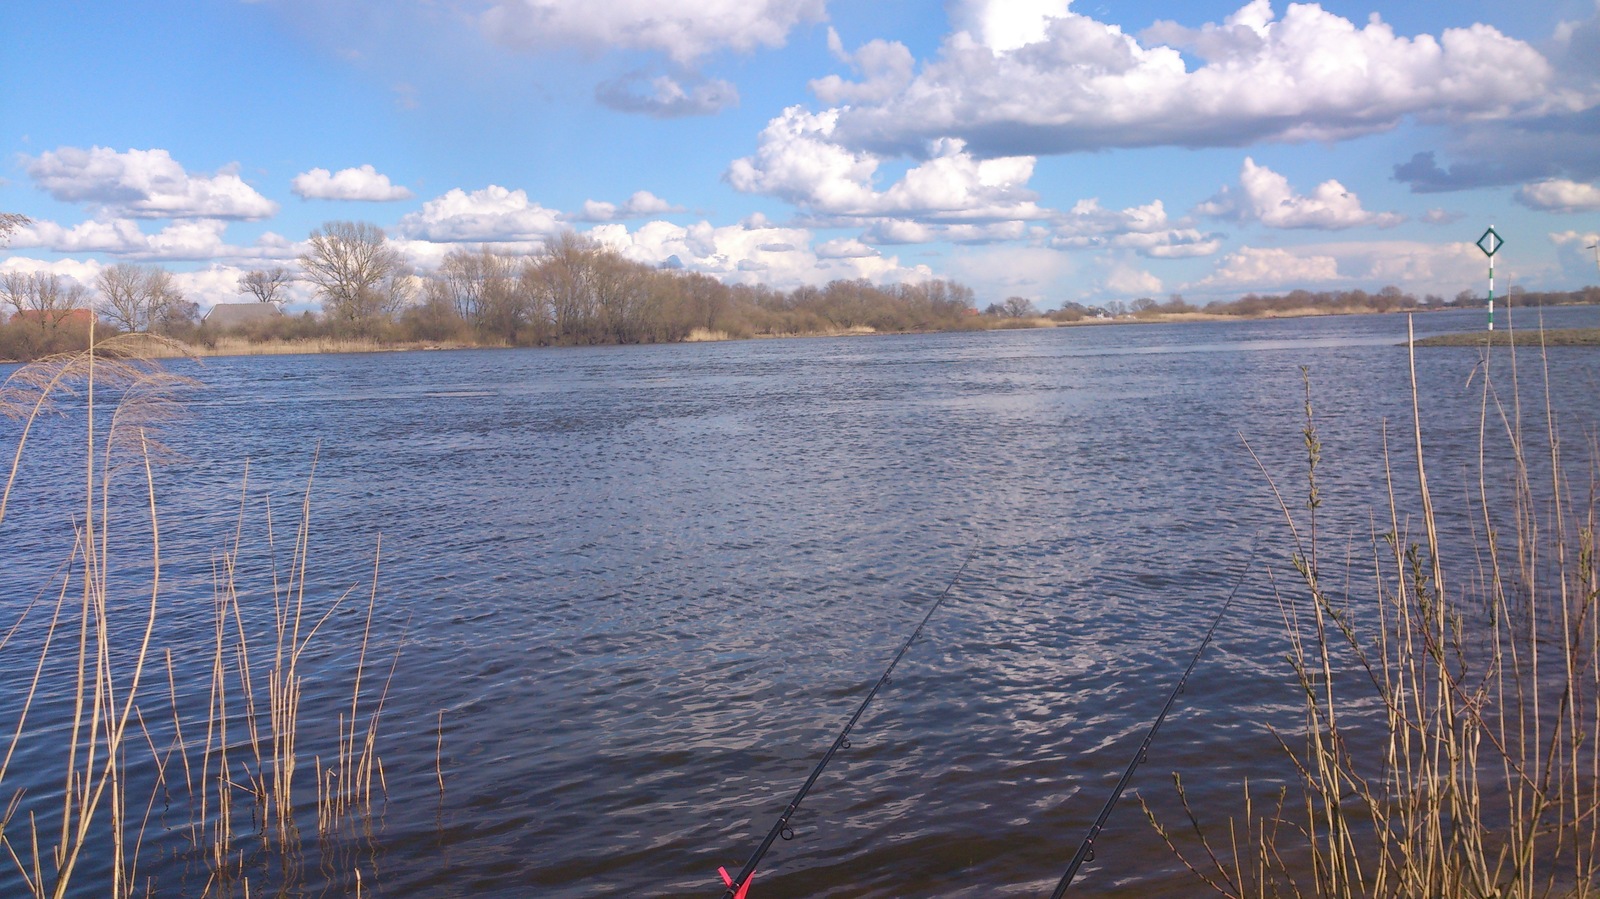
739,887
1086,850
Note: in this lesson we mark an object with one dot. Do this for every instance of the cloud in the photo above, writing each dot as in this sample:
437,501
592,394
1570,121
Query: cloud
1419,267
1559,195
682,29
1575,238
83,271
641,204
886,67
1271,266
1144,229
1441,217
493,214
997,272
797,160
664,97
1576,254
1265,196
1003,25
1425,175
364,183
145,184
753,252
845,248
1495,154
906,231
1128,281
1038,79
183,240
1561,142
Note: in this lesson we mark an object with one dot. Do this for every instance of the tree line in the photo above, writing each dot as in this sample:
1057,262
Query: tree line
1388,299
577,291
574,291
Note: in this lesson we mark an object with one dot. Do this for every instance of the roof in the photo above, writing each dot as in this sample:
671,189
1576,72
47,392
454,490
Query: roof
55,316
233,315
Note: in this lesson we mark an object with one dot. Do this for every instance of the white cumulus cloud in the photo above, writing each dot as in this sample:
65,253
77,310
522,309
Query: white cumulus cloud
1033,78
752,252
1003,25
886,68
1577,253
1560,195
1126,280
642,203
493,214
1415,266
145,184
798,160
682,29
182,240
1143,229
363,183
83,271
1265,196
845,248
1270,267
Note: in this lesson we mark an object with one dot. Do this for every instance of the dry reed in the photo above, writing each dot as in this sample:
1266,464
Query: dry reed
1480,668
233,738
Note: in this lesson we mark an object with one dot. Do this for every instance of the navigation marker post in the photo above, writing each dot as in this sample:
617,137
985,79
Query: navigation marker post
1489,243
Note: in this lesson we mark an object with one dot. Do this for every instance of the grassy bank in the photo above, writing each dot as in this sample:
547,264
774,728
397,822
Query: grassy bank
1534,339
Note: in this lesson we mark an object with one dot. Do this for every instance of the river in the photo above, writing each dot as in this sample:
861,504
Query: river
638,590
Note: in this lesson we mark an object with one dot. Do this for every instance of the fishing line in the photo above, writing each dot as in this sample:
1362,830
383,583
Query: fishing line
1086,850
739,886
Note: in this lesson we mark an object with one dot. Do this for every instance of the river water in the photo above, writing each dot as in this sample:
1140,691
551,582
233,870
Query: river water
638,590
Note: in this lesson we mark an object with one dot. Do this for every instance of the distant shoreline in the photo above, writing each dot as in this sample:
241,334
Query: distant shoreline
230,346
1534,338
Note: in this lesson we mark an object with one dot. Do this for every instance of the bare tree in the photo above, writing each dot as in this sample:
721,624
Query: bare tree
43,298
361,279
563,279
177,318
1019,307
484,289
9,222
265,284
136,297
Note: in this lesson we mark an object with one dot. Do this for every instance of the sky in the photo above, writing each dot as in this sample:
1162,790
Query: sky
1058,150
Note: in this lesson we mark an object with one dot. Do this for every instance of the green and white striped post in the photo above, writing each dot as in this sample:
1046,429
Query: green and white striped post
1489,243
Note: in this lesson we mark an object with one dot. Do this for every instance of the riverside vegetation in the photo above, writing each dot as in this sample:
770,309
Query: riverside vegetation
575,291
1451,689
175,740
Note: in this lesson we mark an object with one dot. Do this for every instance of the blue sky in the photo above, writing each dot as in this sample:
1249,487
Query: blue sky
1086,151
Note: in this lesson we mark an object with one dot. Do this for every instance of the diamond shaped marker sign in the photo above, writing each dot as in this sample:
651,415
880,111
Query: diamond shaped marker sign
1490,242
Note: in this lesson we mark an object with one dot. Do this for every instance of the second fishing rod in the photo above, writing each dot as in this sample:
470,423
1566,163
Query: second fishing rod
738,886
1086,848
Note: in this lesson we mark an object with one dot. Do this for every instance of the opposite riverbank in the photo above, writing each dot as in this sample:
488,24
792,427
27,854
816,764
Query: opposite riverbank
246,345
1534,339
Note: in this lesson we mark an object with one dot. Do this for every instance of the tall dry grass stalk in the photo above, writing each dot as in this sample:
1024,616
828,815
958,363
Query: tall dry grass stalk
1452,710
225,752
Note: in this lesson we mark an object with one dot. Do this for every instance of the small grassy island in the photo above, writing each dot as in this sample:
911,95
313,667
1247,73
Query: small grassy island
1559,337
